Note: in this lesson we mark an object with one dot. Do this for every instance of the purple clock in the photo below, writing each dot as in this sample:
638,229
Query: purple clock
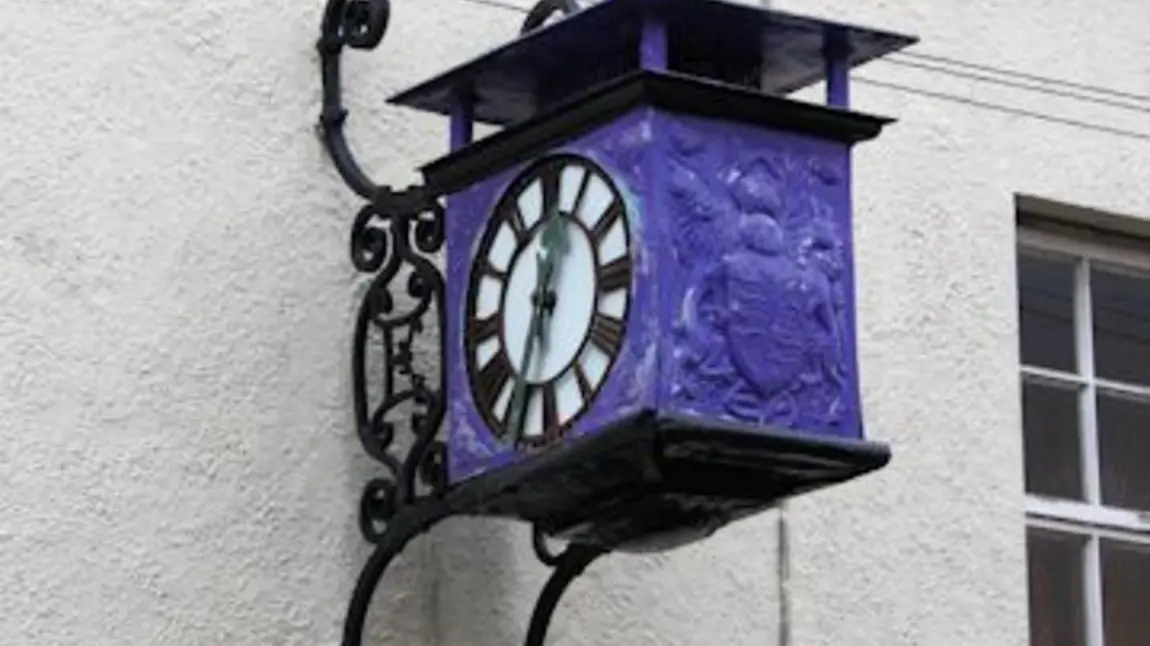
650,302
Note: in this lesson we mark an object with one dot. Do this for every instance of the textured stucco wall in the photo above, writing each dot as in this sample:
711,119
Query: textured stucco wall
176,458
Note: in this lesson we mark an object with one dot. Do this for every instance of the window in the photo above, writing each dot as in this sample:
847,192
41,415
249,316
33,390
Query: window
1084,316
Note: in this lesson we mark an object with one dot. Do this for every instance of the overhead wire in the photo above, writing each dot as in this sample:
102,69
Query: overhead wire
1019,85
499,4
988,105
1097,89
1068,89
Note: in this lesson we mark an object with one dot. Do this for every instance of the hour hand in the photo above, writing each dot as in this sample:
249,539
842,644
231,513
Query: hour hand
543,299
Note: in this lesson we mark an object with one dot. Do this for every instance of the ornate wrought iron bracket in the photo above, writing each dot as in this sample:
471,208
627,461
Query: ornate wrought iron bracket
395,237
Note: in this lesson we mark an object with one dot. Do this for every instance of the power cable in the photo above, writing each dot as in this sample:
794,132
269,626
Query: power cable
987,105
1020,85
1024,75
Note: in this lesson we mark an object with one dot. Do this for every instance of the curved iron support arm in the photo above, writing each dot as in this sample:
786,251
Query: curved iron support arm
362,24
405,527
568,566
359,24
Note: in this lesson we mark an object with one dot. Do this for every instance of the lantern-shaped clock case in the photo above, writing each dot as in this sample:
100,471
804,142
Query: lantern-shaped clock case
650,279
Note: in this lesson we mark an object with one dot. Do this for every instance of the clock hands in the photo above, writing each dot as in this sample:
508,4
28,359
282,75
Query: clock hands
519,395
553,246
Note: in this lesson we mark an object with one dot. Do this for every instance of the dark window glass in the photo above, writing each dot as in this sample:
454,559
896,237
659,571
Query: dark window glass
1056,595
1124,452
1046,312
1050,434
1121,306
1125,593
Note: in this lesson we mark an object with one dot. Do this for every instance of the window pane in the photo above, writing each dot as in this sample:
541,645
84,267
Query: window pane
1057,613
1050,437
1125,593
1124,452
1121,307
1046,312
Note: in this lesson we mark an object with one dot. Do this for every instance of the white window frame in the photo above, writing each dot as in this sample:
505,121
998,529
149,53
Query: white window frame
1089,520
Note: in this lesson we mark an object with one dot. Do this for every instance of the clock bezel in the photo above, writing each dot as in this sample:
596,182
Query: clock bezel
490,230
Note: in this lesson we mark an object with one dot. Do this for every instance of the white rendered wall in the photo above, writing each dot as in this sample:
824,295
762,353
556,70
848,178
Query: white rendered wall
177,461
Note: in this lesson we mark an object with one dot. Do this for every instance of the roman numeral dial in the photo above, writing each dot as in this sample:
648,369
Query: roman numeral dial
493,379
615,275
548,300
606,332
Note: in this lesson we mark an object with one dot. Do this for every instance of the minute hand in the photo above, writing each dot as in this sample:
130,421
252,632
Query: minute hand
553,245
519,395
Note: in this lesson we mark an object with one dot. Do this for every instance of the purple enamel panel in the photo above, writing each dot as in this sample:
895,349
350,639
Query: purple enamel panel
619,148
758,308
743,287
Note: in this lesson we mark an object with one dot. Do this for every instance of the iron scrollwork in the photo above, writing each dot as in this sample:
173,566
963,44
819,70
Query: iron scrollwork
395,237
381,243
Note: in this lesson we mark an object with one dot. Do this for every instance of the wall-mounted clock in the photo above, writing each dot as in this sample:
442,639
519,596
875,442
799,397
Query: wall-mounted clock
548,297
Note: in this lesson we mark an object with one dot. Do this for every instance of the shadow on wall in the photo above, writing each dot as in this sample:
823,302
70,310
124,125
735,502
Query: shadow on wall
403,607
487,580
464,581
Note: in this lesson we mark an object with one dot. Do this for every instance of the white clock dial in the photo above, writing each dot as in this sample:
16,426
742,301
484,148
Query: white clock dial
548,300
574,286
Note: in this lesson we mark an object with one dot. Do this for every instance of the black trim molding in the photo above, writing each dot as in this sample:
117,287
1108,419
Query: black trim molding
663,90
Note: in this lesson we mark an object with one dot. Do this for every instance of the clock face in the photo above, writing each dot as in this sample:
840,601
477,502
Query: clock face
548,298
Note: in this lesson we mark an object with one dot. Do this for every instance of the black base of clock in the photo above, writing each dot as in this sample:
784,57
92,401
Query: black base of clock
653,483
